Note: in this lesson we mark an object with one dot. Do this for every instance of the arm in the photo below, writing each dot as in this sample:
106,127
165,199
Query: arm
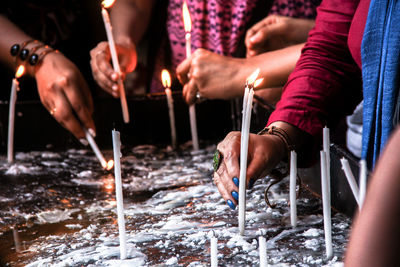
375,233
62,89
129,19
203,65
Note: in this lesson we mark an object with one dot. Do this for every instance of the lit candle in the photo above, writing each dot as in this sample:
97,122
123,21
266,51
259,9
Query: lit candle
363,181
11,114
192,109
114,57
166,80
106,165
118,192
293,176
351,180
326,147
262,250
326,207
214,250
251,83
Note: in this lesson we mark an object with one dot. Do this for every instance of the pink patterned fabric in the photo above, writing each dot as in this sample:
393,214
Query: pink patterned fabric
220,25
217,25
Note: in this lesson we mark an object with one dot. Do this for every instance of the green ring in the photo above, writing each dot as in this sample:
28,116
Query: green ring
217,158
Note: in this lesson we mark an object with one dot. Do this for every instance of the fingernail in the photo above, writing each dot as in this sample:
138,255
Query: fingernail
230,204
253,39
115,87
235,195
235,181
84,141
114,76
92,132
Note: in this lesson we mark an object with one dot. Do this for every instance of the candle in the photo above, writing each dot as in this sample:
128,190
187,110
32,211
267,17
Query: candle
17,242
118,192
114,57
106,165
326,147
11,114
326,206
251,82
214,250
166,80
262,250
293,176
192,109
350,179
363,181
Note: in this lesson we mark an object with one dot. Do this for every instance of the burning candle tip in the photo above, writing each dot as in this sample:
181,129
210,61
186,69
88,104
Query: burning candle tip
107,3
20,71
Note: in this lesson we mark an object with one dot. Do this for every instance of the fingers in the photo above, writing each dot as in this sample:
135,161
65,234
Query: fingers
183,70
191,90
102,69
64,115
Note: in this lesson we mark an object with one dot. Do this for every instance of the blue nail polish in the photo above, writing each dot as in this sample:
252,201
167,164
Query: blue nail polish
235,181
235,195
230,204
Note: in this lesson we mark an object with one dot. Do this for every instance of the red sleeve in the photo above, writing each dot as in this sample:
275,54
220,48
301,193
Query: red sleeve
326,83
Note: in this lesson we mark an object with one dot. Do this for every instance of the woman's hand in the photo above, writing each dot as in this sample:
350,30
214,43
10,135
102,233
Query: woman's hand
65,94
264,153
276,32
211,75
102,68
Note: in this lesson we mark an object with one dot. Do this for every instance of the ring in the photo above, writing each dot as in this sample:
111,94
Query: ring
52,111
217,158
198,96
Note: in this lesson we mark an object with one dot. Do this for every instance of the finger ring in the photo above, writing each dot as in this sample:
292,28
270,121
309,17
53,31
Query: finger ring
198,96
217,160
52,111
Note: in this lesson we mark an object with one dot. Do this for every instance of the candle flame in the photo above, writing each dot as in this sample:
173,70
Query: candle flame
109,165
20,71
186,17
166,78
258,82
107,3
252,78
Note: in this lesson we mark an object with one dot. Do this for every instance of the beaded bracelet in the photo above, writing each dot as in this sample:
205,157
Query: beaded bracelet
23,53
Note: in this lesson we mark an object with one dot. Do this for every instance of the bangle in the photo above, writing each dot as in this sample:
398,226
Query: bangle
282,134
34,58
47,50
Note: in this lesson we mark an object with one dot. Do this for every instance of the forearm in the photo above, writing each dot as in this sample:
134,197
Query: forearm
130,19
11,35
375,235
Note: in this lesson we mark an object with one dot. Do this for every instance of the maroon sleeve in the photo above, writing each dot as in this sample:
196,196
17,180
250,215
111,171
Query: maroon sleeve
326,83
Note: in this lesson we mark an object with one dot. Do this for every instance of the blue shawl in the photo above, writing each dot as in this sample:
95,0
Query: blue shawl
380,51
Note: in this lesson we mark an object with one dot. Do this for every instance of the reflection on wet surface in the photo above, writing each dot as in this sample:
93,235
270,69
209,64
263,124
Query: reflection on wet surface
59,209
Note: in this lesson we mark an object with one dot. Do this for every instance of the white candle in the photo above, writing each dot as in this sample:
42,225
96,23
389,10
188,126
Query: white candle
293,176
171,116
262,250
96,149
243,160
114,58
326,147
118,192
326,206
350,179
214,250
11,120
17,241
363,181
192,110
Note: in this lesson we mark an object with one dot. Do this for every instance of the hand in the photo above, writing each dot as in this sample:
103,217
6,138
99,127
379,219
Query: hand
64,92
264,153
102,68
212,75
276,32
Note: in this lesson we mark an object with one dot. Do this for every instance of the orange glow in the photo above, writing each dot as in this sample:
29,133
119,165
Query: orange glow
258,82
166,78
186,17
109,165
251,79
20,71
107,3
